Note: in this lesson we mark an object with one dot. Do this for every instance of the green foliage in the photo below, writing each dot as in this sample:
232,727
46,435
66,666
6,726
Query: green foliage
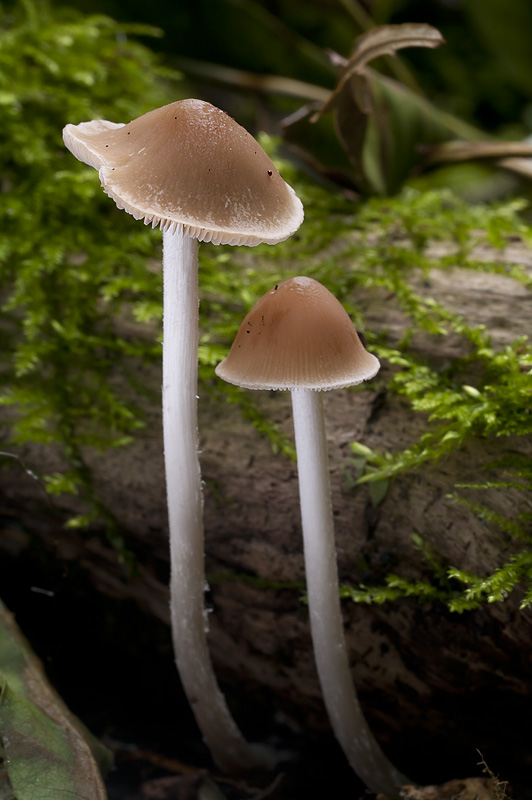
439,587
71,266
456,412
45,749
481,74
496,587
385,129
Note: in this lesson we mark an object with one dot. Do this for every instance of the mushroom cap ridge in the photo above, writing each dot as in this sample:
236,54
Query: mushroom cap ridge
297,336
190,166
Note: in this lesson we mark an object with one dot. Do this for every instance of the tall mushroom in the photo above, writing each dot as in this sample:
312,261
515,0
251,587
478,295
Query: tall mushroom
299,337
194,171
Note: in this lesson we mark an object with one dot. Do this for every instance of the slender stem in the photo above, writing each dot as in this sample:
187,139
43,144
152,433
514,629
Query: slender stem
185,507
346,717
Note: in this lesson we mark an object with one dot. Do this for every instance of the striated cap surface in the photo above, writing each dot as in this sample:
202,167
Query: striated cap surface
190,166
297,336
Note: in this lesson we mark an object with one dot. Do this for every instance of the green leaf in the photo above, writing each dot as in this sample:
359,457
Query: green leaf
47,751
378,491
361,450
472,391
402,127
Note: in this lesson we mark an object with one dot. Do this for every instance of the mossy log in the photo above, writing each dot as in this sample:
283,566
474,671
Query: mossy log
435,686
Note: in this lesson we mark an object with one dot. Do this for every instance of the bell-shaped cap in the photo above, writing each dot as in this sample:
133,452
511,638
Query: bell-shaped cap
190,166
297,336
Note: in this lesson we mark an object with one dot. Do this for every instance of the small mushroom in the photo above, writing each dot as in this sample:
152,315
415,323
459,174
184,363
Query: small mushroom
299,337
194,171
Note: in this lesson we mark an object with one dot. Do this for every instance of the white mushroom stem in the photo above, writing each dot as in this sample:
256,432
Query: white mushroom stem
346,717
185,508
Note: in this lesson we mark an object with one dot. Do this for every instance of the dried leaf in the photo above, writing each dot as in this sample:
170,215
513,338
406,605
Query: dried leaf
467,151
47,751
362,111
380,41
351,117
520,166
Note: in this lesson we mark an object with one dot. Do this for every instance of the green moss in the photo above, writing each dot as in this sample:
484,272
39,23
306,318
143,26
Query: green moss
69,262
456,412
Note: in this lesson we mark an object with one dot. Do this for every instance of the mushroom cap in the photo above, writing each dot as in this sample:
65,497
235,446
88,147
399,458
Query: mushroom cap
190,166
297,336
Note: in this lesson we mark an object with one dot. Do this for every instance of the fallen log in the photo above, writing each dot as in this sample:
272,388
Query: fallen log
435,686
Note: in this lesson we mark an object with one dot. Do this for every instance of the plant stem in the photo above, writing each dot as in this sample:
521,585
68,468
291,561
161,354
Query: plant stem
346,717
185,507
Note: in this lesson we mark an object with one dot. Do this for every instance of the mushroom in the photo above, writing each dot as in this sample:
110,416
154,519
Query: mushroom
194,171
299,337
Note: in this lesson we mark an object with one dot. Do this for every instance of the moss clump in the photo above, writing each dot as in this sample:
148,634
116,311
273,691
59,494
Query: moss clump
69,263
497,406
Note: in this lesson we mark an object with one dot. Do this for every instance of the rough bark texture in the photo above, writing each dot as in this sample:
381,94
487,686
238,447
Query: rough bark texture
435,686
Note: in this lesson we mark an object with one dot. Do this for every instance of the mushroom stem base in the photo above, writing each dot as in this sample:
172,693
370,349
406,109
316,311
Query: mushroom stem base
346,717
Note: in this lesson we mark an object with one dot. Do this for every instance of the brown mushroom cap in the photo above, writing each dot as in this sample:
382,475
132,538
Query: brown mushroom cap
297,336
189,164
